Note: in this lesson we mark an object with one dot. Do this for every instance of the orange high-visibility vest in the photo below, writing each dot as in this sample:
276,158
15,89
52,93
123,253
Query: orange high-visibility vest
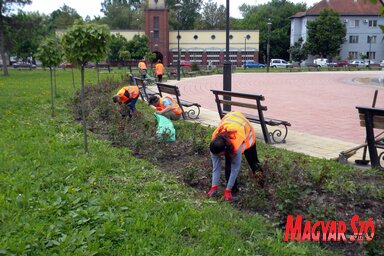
159,69
175,107
142,65
133,91
241,130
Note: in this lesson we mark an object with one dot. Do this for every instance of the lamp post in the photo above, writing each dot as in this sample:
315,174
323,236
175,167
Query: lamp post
178,7
227,73
269,24
245,47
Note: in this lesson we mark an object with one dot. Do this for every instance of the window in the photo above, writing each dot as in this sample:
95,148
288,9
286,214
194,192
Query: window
195,37
213,37
371,39
353,39
353,55
354,23
372,23
156,27
371,55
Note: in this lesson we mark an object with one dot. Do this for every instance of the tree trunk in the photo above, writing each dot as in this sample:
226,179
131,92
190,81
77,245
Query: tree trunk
52,97
73,78
54,79
83,109
2,44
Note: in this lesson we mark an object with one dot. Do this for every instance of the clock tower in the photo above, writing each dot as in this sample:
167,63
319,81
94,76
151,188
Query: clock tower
157,29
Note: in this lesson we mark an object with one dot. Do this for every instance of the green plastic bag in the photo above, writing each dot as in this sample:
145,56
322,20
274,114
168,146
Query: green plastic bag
165,129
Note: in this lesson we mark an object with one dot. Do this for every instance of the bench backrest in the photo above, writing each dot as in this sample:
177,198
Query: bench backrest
374,114
173,90
254,101
142,87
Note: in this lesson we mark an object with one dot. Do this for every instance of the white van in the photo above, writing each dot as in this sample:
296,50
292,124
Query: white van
321,62
279,63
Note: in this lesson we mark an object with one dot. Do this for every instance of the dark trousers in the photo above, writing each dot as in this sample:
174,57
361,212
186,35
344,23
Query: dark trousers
159,78
253,162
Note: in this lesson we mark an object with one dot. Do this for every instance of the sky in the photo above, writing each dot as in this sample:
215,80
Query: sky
92,7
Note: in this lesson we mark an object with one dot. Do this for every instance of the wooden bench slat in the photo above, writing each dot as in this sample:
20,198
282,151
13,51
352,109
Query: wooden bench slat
240,95
241,104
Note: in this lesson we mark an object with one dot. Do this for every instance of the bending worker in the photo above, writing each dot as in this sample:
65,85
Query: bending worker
166,106
129,96
232,137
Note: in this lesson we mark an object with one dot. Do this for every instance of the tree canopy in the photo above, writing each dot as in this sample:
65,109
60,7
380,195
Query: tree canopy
64,17
325,35
212,16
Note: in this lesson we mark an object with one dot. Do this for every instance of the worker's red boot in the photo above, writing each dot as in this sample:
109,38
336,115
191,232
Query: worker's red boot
228,195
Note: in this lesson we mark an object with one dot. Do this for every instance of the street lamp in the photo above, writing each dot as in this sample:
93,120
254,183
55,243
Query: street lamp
269,24
227,72
245,47
178,7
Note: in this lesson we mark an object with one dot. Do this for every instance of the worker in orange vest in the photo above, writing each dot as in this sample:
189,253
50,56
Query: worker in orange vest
129,96
159,71
235,135
143,69
166,106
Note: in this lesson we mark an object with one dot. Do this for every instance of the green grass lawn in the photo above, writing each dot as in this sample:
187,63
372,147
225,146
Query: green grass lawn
57,200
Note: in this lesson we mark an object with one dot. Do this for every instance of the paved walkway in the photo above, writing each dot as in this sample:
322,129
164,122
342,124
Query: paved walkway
319,105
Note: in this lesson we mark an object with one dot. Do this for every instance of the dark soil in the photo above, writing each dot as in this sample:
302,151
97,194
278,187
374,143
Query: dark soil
294,183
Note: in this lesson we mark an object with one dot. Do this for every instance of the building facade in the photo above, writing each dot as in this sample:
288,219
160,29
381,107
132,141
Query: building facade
361,19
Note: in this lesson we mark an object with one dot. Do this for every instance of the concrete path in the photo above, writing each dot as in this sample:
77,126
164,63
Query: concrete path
319,105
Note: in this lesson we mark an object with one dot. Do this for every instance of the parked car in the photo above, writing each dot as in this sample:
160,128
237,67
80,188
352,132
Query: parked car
321,62
23,65
185,63
369,62
66,65
382,63
279,63
253,64
339,63
358,63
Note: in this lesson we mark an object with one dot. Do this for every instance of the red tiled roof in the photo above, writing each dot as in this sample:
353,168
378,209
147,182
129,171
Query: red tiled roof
345,7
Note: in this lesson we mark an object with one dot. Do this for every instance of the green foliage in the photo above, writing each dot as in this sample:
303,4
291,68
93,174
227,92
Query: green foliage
123,14
212,17
188,13
24,33
86,42
118,48
256,17
297,51
64,17
138,47
325,34
50,52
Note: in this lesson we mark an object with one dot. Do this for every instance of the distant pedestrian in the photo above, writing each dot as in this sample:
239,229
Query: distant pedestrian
142,69
235,135
159,71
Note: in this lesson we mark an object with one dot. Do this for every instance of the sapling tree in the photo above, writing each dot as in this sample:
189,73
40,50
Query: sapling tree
84,42
50,53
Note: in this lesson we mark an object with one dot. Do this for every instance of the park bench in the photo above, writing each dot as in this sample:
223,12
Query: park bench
193,107
253,102
103,66
145,92
373,118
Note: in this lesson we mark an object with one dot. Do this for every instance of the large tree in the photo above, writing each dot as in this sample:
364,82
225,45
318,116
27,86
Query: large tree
212,16
6,6
26,31
64,17
138,47
123,14
278,11
325,34
298,52
188,13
